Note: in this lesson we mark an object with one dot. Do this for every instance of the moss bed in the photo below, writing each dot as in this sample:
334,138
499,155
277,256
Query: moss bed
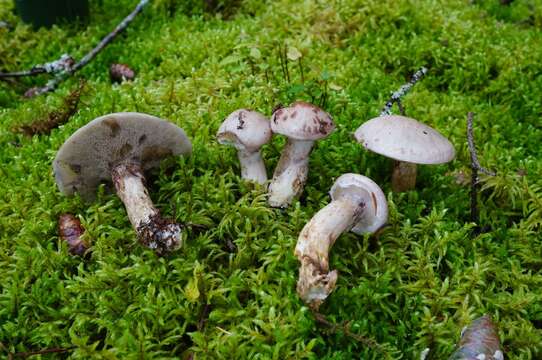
413,286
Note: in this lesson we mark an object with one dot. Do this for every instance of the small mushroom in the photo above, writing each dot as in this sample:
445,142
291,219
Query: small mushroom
302,123
479,341
357,205
118,148
407,141
248,131
71,231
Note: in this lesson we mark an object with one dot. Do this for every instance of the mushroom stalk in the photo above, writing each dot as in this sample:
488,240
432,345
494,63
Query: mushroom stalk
252,166
291,172
161,235
317,237
403,177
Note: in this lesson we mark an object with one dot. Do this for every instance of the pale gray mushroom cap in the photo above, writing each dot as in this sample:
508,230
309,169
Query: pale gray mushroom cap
361,189
245,129
405,139
302,121
86,159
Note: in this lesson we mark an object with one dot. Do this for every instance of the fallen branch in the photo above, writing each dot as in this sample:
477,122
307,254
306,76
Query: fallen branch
39,352
475,168
64,63
396,96
62,72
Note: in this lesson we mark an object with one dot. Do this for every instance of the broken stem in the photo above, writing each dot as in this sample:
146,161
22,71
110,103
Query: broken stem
475,168
159,234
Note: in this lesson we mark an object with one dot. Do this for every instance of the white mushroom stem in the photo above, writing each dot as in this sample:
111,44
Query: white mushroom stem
291,172
152,230
403,177
316,239
252,166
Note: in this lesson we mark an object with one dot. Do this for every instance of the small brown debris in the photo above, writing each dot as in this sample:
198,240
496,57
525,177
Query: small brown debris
120,73
56,117
70,231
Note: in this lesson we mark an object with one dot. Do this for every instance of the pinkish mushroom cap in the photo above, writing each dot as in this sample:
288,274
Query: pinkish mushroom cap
363,190
405,139
245,129
302,121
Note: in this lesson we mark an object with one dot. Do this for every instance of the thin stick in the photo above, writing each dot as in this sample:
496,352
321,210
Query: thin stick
396,96
475,168
61,76
346,329
42,352
62,64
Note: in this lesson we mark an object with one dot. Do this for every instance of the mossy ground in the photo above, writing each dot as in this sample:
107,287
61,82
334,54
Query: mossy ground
414,286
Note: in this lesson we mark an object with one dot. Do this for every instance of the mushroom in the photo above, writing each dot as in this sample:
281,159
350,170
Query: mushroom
118,148
357,205
248,131
302,123
407,141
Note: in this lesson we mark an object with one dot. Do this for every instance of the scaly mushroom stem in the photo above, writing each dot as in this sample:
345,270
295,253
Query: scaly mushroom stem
403,177
317,237
252,166
291,172
159,234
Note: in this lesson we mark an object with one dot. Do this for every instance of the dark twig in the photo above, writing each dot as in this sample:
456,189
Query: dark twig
475,168
42,352
396,96
62,75
345,328
64,63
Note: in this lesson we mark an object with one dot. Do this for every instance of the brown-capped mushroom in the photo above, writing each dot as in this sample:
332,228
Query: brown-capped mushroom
302,123
118,148
248,131
358,205
407,141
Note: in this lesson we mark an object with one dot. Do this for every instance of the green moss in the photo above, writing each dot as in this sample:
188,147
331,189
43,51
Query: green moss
414,286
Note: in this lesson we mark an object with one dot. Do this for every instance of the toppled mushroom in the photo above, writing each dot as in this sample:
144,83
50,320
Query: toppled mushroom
407,141
357,205
302,123
479,341
248,131
118,148
71,231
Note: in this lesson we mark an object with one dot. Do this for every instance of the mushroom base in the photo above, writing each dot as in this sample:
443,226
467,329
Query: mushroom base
291,173
159,234
403,177
252,166
316,282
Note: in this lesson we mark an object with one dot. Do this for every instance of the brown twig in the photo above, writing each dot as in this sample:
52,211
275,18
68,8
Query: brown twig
62,75
57,117
475,168
345,328
42,352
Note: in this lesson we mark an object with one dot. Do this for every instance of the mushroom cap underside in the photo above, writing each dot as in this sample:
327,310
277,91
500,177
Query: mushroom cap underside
364,190
245,129
405,139
85,160
302,121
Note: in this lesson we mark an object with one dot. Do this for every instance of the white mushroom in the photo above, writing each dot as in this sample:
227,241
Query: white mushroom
118,148
302,123
357,205
248,131
407,141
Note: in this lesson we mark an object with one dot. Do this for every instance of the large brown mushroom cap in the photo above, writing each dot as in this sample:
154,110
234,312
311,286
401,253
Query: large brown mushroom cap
363,190
86,159
302,121
245,129
405,139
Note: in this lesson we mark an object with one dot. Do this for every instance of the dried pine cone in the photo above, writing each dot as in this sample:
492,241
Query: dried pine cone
120,73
